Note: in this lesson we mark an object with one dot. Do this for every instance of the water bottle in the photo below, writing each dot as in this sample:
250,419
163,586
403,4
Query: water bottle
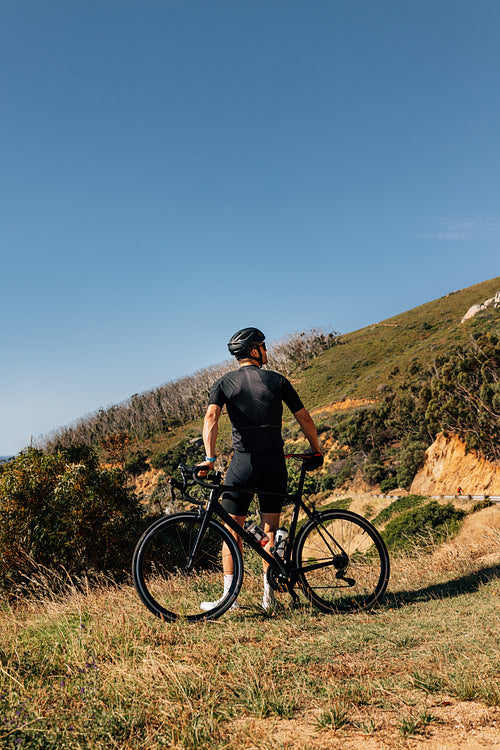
279,541
257,533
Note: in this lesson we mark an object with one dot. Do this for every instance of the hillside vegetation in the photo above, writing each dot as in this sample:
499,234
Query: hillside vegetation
402,381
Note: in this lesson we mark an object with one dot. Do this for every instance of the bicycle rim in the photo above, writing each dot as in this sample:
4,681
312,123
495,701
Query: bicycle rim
343,562
173,587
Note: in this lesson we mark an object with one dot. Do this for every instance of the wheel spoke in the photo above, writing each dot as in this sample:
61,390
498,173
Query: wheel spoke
341,583
171,589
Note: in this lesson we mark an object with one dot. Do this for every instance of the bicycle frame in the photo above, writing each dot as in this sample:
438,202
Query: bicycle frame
214,508
173,552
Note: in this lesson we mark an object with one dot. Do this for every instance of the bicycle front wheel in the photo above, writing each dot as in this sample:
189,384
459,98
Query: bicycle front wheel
342,562
175,570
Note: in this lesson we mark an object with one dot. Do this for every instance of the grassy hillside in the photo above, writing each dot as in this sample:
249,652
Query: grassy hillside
84,667
364,363
387,364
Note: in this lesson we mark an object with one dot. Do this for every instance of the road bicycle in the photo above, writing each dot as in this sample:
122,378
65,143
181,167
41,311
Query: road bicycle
336,557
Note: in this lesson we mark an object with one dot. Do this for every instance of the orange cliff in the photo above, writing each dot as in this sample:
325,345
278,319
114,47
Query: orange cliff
449,466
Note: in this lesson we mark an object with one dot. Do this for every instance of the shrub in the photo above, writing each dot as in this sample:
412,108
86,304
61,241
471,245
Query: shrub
328,483
312,481
374,472
422,526
137,464
486,503
386,485
185,451
342,471
64,511
410,459
399,505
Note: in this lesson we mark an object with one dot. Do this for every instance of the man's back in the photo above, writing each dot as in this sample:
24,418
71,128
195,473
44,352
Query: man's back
254,400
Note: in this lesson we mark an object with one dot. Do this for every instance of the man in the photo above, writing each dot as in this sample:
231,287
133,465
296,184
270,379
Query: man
254,401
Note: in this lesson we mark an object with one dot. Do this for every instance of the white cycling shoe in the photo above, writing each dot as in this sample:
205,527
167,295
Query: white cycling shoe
228,581
207,606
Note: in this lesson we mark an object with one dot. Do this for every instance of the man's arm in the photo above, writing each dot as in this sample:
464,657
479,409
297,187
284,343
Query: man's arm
210,430
308,428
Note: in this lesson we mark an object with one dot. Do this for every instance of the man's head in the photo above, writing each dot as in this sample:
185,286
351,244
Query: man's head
248,344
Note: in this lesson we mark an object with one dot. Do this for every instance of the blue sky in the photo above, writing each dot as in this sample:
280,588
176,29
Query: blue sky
172,171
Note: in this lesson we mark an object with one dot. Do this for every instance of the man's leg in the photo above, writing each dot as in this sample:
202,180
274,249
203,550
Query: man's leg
270,523
227,560
227,566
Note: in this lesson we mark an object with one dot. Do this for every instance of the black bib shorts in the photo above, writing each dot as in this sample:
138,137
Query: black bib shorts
264,472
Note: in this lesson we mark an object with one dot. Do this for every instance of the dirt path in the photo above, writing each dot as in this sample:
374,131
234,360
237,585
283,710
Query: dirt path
455,726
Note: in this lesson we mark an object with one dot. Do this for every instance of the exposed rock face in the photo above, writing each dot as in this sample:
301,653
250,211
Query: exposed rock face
475,309
448,466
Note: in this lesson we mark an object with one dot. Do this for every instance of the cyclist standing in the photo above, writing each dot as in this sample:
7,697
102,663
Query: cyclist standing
254,400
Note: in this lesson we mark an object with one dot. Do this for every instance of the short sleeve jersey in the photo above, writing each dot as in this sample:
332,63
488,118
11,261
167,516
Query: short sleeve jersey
254,400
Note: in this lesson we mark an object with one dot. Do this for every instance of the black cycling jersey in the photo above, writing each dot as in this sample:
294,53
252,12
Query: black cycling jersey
254,400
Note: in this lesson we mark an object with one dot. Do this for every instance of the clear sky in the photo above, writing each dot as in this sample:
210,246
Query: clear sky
173,170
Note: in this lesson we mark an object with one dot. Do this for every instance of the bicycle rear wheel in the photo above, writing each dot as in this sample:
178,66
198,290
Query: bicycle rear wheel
172,585
343,562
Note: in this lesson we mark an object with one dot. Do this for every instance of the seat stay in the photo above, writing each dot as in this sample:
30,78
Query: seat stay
324,533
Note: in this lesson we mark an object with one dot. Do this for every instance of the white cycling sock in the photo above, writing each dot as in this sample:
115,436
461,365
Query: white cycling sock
228,580
268,599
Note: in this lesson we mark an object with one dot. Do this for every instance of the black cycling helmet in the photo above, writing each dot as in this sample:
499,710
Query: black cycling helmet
245,340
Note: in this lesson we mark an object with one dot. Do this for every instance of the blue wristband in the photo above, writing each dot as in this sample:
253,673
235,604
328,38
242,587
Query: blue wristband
209,458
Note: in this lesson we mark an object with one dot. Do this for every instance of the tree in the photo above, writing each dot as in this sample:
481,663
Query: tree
465,395
62,511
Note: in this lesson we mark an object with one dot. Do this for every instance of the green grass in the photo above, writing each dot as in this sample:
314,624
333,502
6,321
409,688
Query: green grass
365,361
93,668
402,503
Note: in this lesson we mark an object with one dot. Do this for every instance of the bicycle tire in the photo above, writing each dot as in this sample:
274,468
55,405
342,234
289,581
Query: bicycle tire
334,581
161,579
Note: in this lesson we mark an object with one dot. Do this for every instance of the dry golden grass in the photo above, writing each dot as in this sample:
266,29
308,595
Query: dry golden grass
93,668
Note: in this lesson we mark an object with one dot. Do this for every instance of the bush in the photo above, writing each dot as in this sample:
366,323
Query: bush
386,485
374,472
481,504
64,511
137,464
185,451
343,472
424,526
398,506
312,481
410,458
329,483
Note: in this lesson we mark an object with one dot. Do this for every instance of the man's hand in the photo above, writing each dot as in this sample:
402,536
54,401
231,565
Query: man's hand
314,462
204,468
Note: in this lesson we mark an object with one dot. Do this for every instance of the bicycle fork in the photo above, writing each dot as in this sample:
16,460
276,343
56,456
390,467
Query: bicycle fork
205,517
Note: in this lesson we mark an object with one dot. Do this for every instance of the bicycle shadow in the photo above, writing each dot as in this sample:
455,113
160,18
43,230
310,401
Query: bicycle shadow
467,584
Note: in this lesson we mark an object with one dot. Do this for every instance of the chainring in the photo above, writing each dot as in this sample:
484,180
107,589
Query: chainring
277,581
